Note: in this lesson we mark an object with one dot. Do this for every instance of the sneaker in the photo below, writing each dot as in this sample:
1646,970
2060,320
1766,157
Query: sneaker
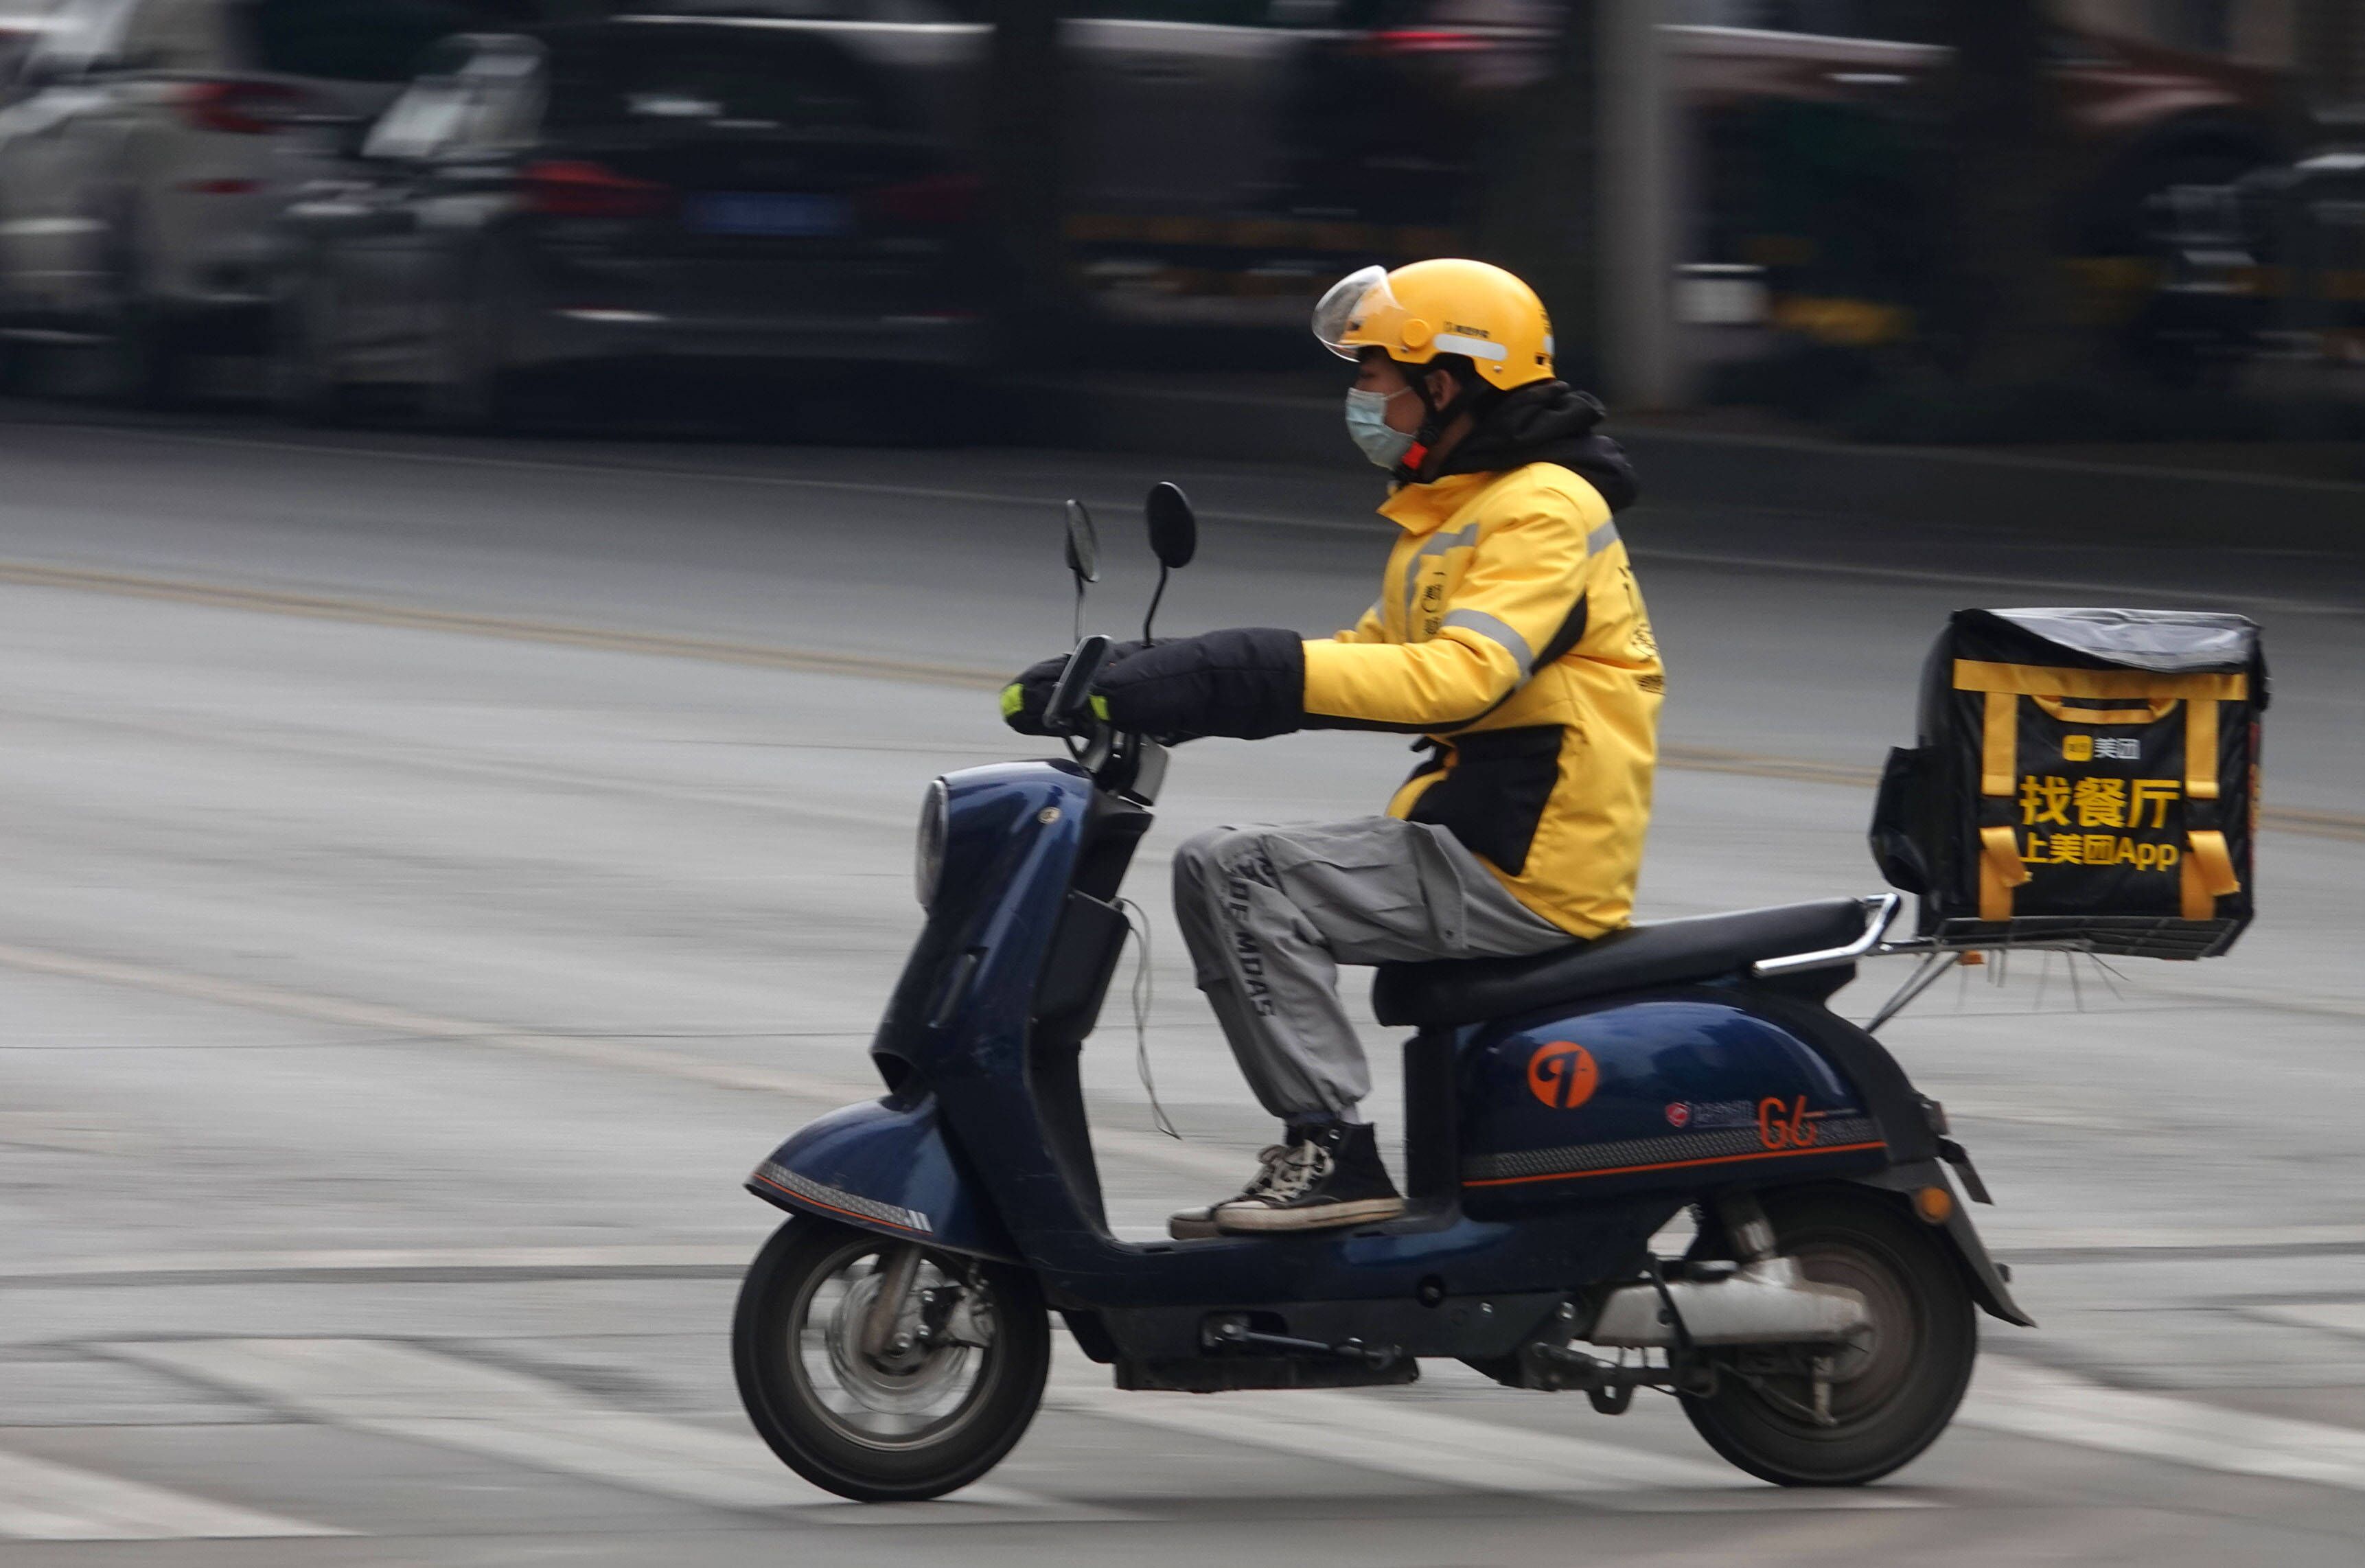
1197,1225
1328,1176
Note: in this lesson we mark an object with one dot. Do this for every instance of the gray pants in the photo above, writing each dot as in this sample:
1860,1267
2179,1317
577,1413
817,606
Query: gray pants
1270,913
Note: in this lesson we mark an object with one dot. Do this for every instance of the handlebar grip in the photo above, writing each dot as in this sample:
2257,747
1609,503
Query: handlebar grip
1070,702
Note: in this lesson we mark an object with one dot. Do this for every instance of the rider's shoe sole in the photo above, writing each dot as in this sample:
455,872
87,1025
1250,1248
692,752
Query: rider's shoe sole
1256,1219
1192,1226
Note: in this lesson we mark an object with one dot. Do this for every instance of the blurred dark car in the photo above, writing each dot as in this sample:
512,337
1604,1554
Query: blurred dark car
701,189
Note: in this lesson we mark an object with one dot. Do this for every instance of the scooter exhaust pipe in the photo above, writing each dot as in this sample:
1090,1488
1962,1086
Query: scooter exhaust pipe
1765,1302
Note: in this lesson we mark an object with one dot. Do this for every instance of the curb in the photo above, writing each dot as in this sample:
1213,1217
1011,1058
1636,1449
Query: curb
1928,487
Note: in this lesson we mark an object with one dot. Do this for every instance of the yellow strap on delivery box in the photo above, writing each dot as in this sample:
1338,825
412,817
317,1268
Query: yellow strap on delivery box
2000,871
2208,874
1999,865
2159,707
2000,753
2044,680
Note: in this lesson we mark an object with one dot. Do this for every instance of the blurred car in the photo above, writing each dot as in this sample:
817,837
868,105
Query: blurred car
705,189
139,167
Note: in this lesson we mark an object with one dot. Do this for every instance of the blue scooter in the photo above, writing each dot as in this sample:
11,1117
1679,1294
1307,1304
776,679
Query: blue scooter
892,1337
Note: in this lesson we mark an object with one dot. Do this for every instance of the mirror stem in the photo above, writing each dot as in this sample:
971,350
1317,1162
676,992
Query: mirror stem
1155,595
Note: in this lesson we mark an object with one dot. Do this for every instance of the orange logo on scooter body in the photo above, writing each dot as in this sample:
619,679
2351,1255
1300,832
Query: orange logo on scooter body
1562,1075
1791,1127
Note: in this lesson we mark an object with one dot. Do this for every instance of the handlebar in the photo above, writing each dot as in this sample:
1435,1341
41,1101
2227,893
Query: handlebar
1070,711
1125,764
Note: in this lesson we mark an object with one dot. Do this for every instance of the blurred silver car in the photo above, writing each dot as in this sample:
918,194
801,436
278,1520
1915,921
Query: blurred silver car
140,170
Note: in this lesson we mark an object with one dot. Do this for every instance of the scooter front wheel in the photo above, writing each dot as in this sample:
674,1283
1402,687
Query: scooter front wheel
883,1372
1868,1408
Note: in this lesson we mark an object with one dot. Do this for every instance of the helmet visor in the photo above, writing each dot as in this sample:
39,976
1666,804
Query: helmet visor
1350,300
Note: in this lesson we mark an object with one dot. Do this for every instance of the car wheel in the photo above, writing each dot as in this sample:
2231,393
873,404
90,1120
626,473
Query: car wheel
473,386
17,373
141,359
304,384
142,363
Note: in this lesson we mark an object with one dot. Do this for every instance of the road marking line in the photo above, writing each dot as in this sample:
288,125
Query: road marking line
1734,561
1149,1147
403,1391
42,1500
2332,1317
728,1259
371,1016
715,1259
2056,1406
436,457
2129,1243
1421,1444
371,612
443,457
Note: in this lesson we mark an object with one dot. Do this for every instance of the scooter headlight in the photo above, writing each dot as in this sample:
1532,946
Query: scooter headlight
928,862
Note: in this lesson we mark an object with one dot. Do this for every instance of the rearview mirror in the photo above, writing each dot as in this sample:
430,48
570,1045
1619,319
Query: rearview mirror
1173,539
1083,556
1083,546
1173,527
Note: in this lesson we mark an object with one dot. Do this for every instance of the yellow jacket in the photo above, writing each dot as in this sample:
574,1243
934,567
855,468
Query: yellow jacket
1509,630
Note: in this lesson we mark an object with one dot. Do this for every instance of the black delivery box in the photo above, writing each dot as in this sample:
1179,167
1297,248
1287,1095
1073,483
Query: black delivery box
2086,778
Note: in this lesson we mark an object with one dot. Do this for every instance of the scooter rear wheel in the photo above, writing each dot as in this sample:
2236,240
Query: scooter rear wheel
924,1414
1889,1398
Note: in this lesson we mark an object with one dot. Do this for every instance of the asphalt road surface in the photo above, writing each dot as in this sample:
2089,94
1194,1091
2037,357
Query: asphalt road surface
435,872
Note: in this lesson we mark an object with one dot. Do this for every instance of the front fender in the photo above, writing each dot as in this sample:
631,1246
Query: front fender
884,1166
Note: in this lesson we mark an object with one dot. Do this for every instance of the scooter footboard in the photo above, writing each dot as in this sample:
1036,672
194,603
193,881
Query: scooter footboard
884,1166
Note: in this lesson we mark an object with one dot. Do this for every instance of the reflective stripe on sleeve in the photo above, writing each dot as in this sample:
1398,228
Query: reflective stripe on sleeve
1494,631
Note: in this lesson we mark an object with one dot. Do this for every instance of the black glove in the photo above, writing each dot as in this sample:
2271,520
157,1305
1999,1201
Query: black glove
1024,700
1246,681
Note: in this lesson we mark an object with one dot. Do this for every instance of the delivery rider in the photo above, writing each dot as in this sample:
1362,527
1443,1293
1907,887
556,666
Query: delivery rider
1508,632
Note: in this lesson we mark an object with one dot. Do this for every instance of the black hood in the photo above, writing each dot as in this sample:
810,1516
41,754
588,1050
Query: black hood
1548,422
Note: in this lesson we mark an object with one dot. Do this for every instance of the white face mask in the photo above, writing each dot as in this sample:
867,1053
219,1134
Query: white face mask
1367,423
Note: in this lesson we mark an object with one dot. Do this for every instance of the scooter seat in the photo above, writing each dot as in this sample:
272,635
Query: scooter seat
1671,952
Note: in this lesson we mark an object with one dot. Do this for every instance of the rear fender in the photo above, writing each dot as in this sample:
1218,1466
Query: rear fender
1981,1271
884,1166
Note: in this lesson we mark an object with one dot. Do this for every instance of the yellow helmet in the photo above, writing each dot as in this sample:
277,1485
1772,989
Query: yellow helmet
1446,306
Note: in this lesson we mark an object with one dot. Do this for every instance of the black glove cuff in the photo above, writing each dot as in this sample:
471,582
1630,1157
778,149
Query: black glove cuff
1247,681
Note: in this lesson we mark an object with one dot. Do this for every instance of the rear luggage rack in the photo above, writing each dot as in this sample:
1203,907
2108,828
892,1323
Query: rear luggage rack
2128,937
2118,935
